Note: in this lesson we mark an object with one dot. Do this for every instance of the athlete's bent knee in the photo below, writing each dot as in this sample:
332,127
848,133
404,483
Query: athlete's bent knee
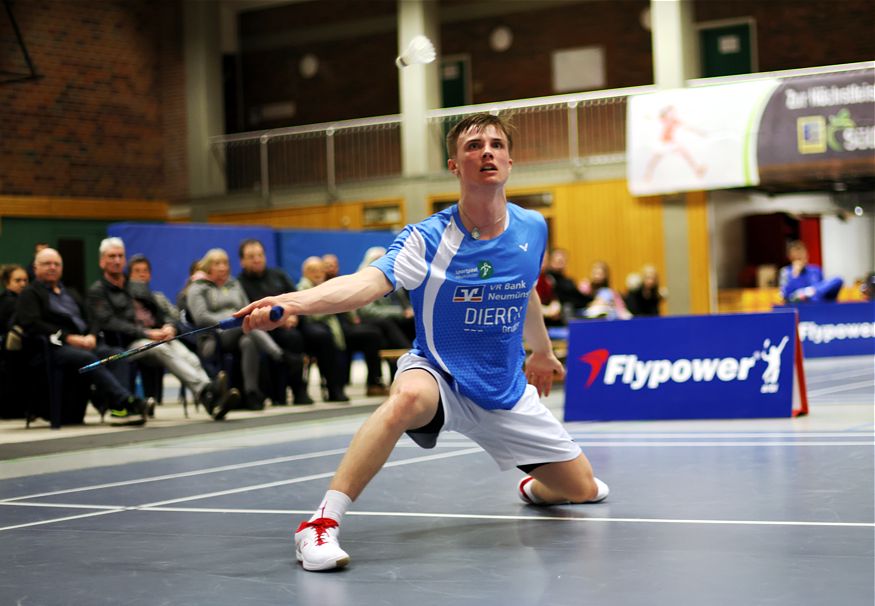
405,408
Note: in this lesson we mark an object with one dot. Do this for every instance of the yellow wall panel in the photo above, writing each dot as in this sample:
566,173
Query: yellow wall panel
699,253
51,207
346,215
602,221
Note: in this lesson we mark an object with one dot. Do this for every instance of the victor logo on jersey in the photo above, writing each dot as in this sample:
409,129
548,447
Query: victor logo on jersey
468,294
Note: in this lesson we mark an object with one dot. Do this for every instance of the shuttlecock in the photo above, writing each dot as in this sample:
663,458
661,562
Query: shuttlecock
420,50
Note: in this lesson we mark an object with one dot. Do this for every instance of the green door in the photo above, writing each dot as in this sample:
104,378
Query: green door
726,49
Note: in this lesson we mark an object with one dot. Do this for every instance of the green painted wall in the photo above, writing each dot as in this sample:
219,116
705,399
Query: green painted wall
17,237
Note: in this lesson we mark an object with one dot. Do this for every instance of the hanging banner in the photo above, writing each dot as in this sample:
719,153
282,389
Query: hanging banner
743,134
694,139
819,127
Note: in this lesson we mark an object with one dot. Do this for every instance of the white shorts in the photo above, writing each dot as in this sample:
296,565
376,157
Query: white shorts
527,434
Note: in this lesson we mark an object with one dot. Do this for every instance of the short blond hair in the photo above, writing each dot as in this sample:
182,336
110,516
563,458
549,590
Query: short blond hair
209,259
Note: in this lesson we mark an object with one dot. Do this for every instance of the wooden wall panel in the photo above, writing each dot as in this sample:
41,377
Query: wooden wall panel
346,215
699,253
331,216
50,207
602,221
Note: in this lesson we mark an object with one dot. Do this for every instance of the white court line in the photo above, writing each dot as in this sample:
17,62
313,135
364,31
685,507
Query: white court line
467,516
184,474
717,444
55,520
839,388
693,435
64,506
254,487
848,374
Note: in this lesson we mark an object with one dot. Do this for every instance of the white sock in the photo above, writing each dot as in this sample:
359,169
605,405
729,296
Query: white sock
333,506
602,493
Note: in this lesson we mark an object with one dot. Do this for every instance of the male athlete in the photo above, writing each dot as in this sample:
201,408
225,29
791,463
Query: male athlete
471,272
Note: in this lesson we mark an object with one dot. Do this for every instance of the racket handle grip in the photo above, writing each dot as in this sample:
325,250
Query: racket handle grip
276,313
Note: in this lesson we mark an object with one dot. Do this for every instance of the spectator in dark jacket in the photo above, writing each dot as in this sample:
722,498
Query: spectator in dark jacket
14,278
136,321
47,309
298,334
644,293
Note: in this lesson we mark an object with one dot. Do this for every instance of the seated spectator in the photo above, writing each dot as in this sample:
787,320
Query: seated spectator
867,288
139,278
217,297
259,281
46,308
392,314
606,302
348,332
551,308
38,246
12,395
331,266
133,317
195,273
572,299
14,278
644,295
801,281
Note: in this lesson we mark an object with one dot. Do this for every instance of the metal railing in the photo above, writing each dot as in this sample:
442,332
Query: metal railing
580,129
563,130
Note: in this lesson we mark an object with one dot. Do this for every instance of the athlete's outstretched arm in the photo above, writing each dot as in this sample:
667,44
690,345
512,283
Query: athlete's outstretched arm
542,365
343,293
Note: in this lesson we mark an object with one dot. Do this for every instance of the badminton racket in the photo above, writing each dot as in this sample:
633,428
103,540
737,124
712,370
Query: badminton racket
276,312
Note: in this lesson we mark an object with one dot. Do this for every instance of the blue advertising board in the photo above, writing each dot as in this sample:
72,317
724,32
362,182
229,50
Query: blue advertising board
836,329
171,248
691,367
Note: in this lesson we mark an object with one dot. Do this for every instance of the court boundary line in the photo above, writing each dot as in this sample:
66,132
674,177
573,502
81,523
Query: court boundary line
250,488
472,516
837,389
588,443
183,474
847,374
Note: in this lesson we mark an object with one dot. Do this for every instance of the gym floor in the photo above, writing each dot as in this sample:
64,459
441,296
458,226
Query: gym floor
774,511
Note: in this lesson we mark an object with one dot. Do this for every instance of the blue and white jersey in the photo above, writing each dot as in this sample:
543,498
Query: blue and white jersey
470,298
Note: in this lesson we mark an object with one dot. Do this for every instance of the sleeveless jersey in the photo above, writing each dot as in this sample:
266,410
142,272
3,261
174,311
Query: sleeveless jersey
470,298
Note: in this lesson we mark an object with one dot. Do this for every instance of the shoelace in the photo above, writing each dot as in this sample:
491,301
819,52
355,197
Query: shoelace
320,526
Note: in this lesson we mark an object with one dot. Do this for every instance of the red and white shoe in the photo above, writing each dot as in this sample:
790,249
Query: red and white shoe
316,545
526,495
523,495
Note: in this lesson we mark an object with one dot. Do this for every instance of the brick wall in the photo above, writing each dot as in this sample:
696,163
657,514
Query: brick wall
802,33
357,77
106,118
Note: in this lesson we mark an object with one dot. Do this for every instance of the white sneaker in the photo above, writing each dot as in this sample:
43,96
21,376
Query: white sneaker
316,545
527,497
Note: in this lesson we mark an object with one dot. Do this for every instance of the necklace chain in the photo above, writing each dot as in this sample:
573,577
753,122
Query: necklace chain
475,231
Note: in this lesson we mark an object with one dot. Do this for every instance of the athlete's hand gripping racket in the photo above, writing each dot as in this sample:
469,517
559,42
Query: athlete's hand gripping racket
276,312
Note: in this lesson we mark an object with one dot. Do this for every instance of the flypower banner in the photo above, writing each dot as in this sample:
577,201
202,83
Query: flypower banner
751,133
693,367
836,329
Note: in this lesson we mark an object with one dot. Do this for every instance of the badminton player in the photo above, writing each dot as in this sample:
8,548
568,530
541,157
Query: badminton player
471,272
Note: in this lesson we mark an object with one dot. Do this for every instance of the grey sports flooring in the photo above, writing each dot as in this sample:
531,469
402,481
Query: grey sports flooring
776,511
